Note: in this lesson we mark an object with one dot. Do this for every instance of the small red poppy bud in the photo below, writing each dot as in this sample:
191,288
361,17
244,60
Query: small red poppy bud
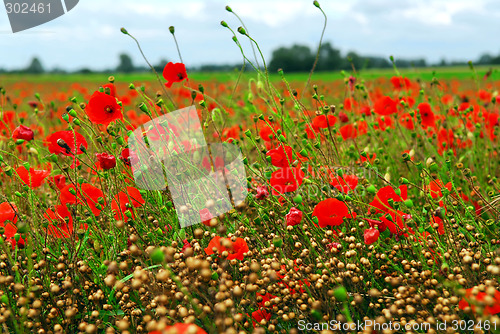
107,161
23,132
343,117
371,235
293,217
262,192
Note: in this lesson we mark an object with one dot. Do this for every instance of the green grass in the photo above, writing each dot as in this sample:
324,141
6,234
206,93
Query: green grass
426,74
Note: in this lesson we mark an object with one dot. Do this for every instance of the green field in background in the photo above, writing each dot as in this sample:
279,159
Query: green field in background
426,74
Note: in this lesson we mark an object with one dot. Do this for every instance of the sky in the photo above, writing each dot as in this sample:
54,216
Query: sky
89,35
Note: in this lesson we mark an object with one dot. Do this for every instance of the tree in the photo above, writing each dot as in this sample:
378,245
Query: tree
297,58
329,58
126,65
35,67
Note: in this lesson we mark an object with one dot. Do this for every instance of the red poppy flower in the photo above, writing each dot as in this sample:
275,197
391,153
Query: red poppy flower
427,116
23,132
58,180
235,249
435,187
260,315
7,121
106,161
125,156
322,121
103,108
281,157
262,192
174,73
8,220
371,235
480,299
61,222
181,328
353,130
343,117
400,82
265,298
345,183
385,106
381,200
65,143
121,204
286,180
267,133
33,178
87,195
205,217
293,217
331,212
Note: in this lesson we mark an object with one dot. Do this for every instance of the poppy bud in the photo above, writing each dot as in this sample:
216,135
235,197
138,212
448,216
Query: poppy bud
316,3
157,256
409,203
63,144
124,31
171,29
229,9
297,199
277,242
340,293
242,31
23,132
144,108
76,121
224,24
371,189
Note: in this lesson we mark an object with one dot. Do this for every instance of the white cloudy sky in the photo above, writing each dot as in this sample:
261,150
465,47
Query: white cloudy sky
89,35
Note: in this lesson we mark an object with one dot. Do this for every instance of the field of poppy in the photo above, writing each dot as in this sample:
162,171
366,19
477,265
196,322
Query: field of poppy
369,201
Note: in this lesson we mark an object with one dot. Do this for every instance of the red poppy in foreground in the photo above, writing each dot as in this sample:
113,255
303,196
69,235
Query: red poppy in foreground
181,328
103,108
345,183
286,180
235,249
66,143
174,73
331,212
281,157
371,235
293,217
122,204
61,222
34,178
23,132
106,161
87,195
490,304
8,219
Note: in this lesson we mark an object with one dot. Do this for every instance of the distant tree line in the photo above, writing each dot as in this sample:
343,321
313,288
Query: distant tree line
297,58
300,58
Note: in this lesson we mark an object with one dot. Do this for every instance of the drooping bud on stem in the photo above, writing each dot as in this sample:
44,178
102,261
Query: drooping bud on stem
242,31
171,29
